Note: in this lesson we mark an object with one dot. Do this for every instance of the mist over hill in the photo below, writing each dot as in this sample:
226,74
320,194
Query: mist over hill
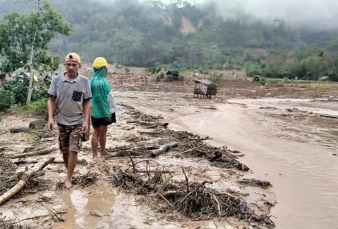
209,34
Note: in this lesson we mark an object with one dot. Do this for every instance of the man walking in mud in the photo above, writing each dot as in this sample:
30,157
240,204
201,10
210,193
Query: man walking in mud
69,97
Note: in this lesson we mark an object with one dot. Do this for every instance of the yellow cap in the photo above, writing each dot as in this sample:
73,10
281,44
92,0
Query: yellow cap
100,62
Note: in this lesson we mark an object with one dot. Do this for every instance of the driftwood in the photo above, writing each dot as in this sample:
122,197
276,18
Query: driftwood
163,149
329,116
36,153
153,171
25,177
150,132
25,162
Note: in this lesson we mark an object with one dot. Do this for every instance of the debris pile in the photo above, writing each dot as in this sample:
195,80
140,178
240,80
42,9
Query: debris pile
194,200
8,178
194,146
189,145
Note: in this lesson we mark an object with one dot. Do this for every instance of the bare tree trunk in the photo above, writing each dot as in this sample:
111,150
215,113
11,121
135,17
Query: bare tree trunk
25,177
30,88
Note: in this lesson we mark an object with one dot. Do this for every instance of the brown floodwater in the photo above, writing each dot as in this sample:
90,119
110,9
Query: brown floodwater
304,175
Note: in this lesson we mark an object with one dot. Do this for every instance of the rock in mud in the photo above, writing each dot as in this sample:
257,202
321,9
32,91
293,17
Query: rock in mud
18,129
46,197
37,123
96,214
242,209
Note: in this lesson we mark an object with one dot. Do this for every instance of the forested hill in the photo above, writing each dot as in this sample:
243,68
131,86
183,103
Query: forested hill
141,34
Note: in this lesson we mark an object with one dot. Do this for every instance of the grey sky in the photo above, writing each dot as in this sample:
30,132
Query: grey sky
315,13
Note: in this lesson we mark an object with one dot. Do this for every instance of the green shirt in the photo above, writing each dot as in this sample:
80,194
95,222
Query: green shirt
100,90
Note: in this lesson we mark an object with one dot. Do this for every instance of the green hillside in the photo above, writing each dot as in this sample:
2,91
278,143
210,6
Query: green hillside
192,36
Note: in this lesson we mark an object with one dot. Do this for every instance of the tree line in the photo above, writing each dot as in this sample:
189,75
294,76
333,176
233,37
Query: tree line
149,34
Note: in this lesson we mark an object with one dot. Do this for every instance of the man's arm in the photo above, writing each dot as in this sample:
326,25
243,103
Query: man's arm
51,104
87,110
51,108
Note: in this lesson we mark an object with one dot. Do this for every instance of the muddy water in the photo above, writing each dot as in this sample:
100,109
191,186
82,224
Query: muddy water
88,208
304,175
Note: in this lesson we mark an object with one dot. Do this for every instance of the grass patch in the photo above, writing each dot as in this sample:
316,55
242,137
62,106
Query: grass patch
38,107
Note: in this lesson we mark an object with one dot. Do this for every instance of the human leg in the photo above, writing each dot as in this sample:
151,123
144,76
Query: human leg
102,140
72,162
75,144
96,123
64,136
95,142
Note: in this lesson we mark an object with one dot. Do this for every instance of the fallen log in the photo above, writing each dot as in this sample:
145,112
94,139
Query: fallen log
133,121
25,177
163,149
329,116
25,162
149,132
36,153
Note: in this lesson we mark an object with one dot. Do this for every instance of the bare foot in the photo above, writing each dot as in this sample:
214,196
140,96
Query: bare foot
103,156
95,156
68,185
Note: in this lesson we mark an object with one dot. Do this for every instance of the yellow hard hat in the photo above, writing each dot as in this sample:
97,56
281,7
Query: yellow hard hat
100,62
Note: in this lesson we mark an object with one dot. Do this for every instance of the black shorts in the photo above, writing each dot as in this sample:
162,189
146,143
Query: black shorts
97,122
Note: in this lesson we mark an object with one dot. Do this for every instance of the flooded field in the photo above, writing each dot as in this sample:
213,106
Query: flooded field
289,143
97,202
285,141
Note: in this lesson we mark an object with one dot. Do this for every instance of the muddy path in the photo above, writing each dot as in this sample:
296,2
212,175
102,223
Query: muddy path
96,202
285,141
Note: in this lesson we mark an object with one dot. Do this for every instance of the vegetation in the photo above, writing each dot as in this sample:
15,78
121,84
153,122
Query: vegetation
216,78
15,91
38,107
5,99
25,34
154,35
297,65
147,34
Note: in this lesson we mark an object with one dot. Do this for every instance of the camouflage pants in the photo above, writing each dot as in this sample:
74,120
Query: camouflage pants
70,138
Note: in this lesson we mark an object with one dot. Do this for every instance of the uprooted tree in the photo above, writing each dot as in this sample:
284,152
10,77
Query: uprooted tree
24,40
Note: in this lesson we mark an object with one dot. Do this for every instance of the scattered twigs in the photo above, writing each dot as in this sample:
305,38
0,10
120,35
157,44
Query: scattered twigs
194,200
36,153
25,177
165,199
189,150
218,206
52,213
186,179
133,164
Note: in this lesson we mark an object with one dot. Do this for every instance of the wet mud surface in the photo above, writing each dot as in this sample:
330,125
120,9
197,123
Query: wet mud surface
289,142
96,202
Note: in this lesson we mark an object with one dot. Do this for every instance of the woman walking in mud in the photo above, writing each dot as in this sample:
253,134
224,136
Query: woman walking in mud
103,106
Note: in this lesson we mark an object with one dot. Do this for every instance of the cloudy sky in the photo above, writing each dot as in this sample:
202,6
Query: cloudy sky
316,12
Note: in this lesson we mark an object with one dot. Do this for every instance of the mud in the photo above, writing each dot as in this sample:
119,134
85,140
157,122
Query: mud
295,152
285,142
94,202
